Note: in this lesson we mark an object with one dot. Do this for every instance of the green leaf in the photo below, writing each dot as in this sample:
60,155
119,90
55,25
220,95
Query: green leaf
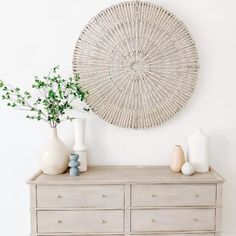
56,96
86,109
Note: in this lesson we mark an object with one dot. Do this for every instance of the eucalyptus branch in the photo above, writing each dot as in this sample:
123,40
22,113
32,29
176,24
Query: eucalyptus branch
56,97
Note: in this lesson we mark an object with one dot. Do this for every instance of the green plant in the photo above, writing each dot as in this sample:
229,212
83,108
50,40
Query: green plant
56,97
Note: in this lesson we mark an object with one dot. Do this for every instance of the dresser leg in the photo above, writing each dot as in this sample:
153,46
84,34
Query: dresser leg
33,212
127,209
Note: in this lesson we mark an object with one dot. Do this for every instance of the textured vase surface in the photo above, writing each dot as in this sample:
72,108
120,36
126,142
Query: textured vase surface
198,151
55,156
177,158
80,145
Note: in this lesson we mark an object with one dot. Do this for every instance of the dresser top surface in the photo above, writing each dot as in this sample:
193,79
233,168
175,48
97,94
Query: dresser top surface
126,174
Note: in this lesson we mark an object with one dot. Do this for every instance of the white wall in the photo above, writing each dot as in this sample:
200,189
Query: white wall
36,35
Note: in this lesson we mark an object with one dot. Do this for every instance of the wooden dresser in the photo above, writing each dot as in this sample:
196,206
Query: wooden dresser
114,201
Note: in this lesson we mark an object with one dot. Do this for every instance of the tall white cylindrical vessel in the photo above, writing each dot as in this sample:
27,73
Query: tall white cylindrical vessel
198,151
80,146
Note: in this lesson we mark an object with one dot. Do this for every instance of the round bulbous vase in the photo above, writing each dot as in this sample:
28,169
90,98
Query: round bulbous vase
187,168
54,158
177,158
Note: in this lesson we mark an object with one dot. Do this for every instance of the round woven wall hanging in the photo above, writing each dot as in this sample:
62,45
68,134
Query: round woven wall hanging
138,62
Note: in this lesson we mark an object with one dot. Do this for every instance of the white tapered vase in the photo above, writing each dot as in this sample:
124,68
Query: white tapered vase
55,155
80,146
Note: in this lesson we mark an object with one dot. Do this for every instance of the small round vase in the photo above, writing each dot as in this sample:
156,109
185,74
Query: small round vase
187,168
55,156
177,158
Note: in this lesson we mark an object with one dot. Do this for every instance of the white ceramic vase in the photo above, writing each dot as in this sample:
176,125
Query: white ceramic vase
198,151
55,155
187,168
80,146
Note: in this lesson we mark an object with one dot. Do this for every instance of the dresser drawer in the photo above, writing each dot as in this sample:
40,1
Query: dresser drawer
174,195
81,196
209,234
110,221
172,220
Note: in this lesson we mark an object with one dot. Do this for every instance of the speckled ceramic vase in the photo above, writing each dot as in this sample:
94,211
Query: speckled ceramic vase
55,156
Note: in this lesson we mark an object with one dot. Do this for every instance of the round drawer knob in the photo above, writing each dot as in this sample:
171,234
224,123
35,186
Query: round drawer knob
154,195
59,221
153,221
196,220
103,221
196,195
103,195
59,196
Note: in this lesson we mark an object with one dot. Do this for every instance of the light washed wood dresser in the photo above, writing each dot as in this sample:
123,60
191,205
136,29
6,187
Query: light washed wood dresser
112,201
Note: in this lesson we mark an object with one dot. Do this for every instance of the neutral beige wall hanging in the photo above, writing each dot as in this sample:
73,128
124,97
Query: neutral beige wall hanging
138,62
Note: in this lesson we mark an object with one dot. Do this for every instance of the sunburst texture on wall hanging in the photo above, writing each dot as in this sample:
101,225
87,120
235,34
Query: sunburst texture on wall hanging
138,62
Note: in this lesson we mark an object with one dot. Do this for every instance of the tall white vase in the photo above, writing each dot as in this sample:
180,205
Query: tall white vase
55,156
198,151
80,146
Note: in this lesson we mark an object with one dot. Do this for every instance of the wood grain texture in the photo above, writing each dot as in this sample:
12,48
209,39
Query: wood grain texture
144,201
219,194
177,195
218,234
33,205
81,221
128,174
219,198
127,208
218,219
77,234
93,196
179,233
172,219
176,234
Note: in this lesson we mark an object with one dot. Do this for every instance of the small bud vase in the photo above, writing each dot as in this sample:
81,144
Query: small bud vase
177,158
80,146
55,156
